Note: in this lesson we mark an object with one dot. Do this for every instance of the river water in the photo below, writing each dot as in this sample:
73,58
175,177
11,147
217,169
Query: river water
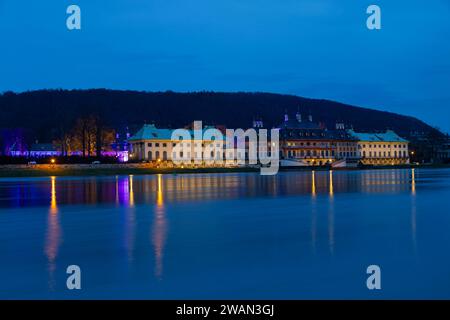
296,235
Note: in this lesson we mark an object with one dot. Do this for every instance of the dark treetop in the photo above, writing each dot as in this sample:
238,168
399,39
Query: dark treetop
46,112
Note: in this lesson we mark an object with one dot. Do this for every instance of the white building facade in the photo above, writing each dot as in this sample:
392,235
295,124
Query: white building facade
154,145
385,148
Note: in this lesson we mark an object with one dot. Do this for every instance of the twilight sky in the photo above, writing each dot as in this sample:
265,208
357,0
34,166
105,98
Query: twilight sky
311,48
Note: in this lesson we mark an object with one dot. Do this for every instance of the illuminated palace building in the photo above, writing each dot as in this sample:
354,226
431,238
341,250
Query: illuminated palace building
307,143
382,148
155,145
303,142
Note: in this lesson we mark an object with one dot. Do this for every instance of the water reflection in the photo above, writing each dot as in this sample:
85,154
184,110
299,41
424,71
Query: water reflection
167,228
413,210
117,191
313,212
331,184
130,219
331,215
159,228
160,190
313,183
53,235
132,190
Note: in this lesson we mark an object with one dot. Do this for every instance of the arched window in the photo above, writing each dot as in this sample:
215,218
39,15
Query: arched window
164,155
150,155
157,155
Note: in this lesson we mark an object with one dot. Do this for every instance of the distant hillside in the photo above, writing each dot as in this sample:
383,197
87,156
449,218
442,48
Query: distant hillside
47,112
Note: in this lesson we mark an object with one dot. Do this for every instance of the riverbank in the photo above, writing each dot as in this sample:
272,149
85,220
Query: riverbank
45,170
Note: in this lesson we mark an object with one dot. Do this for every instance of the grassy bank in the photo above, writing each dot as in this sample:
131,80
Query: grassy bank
140,169
103,170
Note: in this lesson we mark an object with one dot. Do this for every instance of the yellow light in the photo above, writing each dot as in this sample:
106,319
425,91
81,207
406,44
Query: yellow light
53,203
130,190
313,186
159,160
331,183
159,229
159,197
52,161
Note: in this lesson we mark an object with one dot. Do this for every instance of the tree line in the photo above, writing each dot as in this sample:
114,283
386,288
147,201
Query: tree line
88,136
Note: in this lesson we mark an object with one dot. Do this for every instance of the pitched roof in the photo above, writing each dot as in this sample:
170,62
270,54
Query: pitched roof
151,132
388,136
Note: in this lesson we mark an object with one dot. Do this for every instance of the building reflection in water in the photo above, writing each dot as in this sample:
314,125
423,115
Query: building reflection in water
159,228
313,212
53,235
131,192
313,183
127,191
382,181
159,191
331,184
130,218
117,191
413,210
331,214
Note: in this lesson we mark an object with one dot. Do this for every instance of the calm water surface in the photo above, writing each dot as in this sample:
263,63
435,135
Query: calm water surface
294,235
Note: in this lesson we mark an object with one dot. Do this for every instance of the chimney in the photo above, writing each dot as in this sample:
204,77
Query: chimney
340,125
257,123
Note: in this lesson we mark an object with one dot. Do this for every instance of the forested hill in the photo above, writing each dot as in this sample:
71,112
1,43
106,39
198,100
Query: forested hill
46,112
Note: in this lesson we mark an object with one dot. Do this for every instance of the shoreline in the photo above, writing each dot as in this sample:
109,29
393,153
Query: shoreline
23,171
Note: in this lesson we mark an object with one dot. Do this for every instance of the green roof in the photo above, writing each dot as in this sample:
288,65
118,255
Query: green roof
151,132
388,136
